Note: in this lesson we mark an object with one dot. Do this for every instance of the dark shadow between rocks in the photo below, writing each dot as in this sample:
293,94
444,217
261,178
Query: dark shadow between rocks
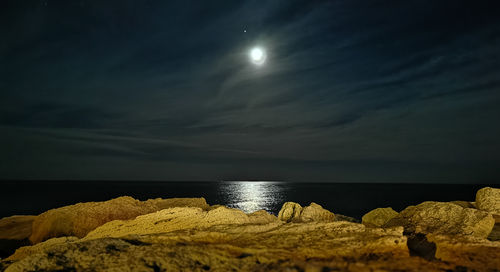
9,246
495,233
418,245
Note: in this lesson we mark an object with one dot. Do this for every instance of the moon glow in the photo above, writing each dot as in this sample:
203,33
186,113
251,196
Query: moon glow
258,56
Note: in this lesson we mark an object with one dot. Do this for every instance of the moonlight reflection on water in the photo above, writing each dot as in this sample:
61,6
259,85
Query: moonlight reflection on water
251,196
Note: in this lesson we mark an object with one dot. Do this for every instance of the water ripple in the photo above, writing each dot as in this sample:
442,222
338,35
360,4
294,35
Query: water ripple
251,196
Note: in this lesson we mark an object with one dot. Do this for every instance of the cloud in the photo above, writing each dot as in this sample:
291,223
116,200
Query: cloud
166,87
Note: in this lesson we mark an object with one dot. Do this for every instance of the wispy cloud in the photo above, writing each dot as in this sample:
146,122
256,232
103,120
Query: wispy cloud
158,86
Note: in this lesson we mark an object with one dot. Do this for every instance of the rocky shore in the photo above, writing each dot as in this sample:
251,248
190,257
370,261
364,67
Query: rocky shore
187,234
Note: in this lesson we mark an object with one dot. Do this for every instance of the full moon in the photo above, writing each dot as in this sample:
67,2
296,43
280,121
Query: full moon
258,56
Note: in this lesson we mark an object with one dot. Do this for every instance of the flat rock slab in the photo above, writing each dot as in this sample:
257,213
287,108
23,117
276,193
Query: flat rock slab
475,253
222,247
168,254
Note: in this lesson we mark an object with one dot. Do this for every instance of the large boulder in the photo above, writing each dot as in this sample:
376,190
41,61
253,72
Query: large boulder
79,219
293,212
289,211
179,218
378,217
316,213
14,232
488,199
444,218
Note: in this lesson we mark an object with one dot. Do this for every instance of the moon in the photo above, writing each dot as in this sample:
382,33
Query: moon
258,56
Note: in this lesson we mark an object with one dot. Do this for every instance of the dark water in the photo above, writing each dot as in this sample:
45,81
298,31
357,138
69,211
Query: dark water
34,197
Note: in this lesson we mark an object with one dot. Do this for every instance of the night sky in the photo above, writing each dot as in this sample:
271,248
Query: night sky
351,91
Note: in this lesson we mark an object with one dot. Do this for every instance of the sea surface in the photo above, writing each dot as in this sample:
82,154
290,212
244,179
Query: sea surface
351,199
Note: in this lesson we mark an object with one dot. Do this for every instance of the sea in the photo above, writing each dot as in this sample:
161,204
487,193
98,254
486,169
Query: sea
350,199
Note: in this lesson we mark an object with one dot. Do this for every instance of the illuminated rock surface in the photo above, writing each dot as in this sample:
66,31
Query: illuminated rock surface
220,246
432,236
444,218
293,212
289,211
77,220
378,217
180,218
315,213
488,199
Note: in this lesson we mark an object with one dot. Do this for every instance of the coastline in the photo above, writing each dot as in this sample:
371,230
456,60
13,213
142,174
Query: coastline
187,233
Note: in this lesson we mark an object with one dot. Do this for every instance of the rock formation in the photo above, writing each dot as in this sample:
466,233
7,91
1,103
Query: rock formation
178,235
289,211
77,220
311,245
444,218
378,217
316,213
179,218
293,212
475,253
26,251
488,199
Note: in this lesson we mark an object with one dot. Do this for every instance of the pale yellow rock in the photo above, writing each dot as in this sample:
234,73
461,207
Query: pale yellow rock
79,219
179,218
220,248
488,199
262,217
293,212
224,239
378,217
289,211
166,203
444,218
316,213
